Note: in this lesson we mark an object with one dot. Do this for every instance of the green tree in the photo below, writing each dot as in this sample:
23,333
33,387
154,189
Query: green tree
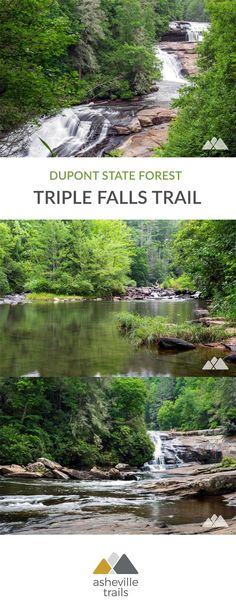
207,108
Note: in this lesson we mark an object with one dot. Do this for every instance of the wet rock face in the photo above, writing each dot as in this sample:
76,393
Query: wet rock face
199,455
196,484
197,451
179,345
231,359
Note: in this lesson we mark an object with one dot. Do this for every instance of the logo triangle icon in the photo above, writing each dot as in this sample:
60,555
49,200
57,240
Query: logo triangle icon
103,567
124,566
220,522
220,145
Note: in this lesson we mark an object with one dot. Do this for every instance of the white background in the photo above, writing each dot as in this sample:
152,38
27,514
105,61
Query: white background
175,572
211,178
56,572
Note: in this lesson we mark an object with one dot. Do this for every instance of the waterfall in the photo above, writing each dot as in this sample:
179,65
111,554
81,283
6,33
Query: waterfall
72,132
171,69
86,130
196,30
158,461
165,452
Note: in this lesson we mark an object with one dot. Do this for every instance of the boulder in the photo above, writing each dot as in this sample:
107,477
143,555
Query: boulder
201,312
171,343
58,474
98,473
212,321
49,464
231,359
113,473
156,116
121,467
73,473
40,468
198,485
18,471
154,88
134,126
142,144
12,469
129,476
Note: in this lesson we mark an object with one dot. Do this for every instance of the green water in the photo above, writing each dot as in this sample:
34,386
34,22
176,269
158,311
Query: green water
82,339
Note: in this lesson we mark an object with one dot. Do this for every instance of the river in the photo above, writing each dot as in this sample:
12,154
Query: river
100,507
87,130
82,339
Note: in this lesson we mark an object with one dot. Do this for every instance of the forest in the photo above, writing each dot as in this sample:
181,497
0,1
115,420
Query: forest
101,258
56,53
209,105
60,53
81,423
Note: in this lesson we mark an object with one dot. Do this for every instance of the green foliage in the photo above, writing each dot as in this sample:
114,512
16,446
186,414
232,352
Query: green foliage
194,10
78,423
207,108
153,258
55,53
227,462
35,73
205,250
114,153
83,258
81,423
100,258
192,404
143,330
181,283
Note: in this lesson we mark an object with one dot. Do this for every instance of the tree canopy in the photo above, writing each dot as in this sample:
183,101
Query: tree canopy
81,423
101,258
207,109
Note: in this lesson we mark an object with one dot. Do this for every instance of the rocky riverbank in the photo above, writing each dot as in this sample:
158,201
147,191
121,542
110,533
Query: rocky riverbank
131,293
136,293
45,468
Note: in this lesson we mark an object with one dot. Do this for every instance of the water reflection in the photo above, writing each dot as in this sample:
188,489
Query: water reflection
72,339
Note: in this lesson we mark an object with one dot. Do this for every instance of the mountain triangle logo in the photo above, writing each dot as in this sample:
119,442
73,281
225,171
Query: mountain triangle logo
115,565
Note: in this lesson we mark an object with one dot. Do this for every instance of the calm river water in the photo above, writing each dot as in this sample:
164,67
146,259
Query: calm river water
82,339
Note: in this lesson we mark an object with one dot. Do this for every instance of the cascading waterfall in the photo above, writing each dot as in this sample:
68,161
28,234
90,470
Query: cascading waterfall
165,452
73,132
171,70
158,461
196,30
86,130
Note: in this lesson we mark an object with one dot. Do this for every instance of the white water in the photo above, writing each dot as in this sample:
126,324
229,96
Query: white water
68,133
80,130
171,70
165,452
196,30
85,130
158,461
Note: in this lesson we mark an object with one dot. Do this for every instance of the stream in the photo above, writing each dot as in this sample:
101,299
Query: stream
100,507
87,130
82,339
